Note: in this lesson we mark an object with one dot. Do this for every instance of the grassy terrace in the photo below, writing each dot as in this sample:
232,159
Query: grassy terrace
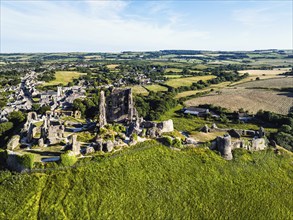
64,77
151,181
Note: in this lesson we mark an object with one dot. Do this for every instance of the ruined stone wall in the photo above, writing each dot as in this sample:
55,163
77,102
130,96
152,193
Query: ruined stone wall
120,105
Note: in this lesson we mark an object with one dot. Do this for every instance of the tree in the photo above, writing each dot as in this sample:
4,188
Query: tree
2,103
35,107
16,117
67,159
78,105
4,127
285,128
44,108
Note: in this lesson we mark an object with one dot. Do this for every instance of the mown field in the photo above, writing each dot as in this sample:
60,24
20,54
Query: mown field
252,100
193,92
156,88
262,74
64,77
153,182
284,82
139,90
187,81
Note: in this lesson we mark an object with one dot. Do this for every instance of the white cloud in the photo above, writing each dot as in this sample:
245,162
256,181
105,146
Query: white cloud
52,27
254,17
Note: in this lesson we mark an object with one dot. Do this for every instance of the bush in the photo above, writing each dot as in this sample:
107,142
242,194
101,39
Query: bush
166,140
177,143
285,128
134,137
67,159
27,160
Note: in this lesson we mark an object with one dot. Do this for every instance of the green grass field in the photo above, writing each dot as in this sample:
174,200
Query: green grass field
151,181
194,123
193,92
173,76
139,90
187,81
64,77
156,88
175,70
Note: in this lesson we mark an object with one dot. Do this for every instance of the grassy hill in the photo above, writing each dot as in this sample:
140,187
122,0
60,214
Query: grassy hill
151,181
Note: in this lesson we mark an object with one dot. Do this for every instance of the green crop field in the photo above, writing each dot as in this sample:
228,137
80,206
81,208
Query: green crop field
151,181
64,77
187,81
156,88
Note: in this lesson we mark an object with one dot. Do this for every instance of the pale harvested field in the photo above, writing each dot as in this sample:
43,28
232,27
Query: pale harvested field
248,99
262,74
284,82
266,72
187,81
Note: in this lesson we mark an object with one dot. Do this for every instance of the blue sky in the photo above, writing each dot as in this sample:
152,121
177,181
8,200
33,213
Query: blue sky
113,26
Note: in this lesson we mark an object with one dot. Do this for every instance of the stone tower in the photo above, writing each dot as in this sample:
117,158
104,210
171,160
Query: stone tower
102,109
59,91
130,105
224,146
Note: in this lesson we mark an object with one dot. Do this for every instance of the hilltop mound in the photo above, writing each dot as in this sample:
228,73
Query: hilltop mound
152,181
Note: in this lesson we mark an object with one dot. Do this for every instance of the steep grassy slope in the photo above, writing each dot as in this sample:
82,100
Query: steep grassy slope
154,182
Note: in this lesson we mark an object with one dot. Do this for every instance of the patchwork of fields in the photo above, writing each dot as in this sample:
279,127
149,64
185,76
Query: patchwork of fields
252,100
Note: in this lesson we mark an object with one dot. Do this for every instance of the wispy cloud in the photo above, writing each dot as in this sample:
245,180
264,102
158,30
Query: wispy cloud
85,25
254,17
101,28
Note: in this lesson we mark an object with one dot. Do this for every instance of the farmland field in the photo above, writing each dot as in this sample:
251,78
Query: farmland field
248,99
139,90
112,66
64,77
175,70
266,72
284,82
193,92
156,88
187,81
173,76
261,74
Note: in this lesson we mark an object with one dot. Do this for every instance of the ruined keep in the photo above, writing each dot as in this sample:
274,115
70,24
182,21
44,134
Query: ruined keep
102,110
120,106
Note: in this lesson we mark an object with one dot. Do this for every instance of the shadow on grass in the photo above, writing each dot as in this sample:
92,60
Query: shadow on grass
44,153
